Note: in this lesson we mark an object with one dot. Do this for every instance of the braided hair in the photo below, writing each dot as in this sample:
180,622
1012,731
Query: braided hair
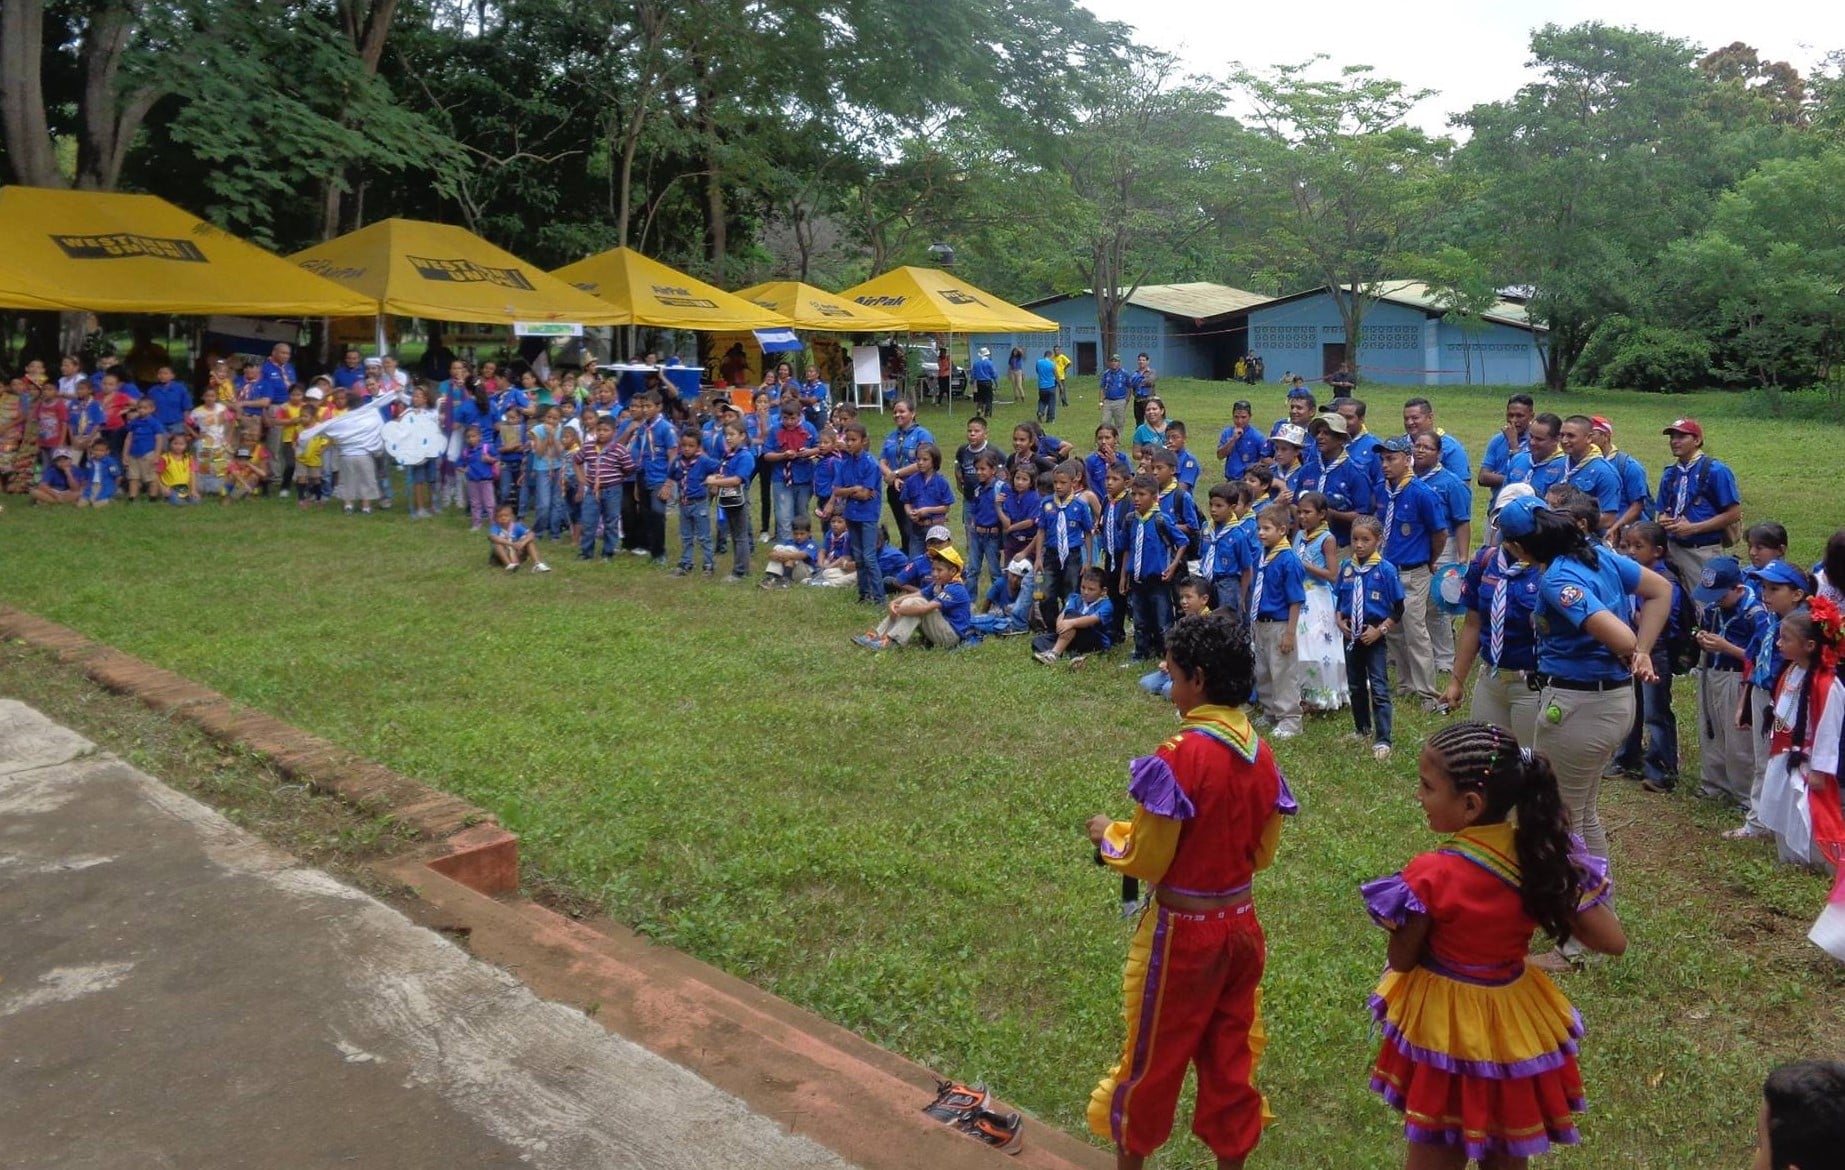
1482,758
1801,625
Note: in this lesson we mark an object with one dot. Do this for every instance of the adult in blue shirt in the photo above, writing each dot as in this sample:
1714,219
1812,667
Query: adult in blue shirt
1500,594
1047,388
1636,489
1415,532
1457,517
985,377
1239,445
1144,382
172,400
1362,449
1301,411
350,373
1587,654
1512,439
1697,500
274,378
1418,417
1344,481
1116,385
897,462
1588,471
1542,463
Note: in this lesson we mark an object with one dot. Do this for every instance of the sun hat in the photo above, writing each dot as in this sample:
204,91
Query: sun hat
948,554
938,532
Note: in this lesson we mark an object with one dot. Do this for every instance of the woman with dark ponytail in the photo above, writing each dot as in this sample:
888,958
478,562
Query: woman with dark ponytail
1479,1051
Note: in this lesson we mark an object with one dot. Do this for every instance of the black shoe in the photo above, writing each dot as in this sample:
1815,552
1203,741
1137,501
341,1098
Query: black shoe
1001,1131
585,557
955,1102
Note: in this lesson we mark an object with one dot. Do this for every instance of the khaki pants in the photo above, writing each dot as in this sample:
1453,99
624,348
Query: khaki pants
1726,761
934,628
1761,707
1690,562
1441,627
1501,698
1278,676
1580,743
1114,414
1411,655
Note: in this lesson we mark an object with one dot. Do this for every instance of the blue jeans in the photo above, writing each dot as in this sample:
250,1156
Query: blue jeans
1367,673
1047,404
1151,598
509,484
600,507
544,503
1652,745
982,553
864,537
1158,684
695,529
791,500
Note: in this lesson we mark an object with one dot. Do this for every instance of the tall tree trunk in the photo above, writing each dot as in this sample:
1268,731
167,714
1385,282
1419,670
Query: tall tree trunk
705,118
367,25
29,150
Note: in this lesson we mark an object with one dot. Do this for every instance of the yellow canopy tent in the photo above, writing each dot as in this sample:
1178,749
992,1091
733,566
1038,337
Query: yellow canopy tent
928,300
410,268
114,253
647,292
815,308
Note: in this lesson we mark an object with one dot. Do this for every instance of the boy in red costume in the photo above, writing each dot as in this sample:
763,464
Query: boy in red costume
1207,816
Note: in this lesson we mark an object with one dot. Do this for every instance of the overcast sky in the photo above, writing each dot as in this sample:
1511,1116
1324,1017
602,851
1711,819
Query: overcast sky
1471,53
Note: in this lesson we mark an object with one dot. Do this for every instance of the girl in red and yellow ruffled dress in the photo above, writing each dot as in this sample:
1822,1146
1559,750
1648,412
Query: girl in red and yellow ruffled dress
1479,1052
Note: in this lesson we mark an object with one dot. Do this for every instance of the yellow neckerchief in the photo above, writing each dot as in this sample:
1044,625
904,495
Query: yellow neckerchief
1559,453
1368,563
1595,452
1227,725
1310,537
1491,847
1143,517
1405,481
1168,489
1062,501
1116,499
1271,553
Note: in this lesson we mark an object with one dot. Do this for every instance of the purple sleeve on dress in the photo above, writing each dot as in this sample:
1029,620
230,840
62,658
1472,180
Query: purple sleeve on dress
1285,804
1152,784
1594,886
1391,901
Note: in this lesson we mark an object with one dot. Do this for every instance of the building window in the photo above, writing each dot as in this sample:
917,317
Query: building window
1276,337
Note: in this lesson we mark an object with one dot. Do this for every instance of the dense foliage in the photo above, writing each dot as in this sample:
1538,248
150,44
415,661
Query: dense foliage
1668,210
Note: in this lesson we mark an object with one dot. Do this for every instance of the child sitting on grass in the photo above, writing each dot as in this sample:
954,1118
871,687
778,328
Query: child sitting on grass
512,542
242,477
940,613
176,470
1082,627
100,475
794,562
60,484
1008,603
836,567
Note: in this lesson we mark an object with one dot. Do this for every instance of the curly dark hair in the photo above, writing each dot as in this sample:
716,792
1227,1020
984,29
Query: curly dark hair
1806,1113
1479,757
1220,646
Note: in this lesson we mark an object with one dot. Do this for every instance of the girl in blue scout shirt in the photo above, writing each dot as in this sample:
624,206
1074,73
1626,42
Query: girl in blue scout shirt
926,495
730,485
1588,655
1369,601
1499,593
1018,508
985,526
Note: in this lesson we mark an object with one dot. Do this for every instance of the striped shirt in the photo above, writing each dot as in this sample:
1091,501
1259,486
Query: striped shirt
608,467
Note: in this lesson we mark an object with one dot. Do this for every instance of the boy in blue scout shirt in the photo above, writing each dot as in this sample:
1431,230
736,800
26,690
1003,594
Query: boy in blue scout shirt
99,475
1696,501
1174,500
1414,535
1369,600
1277,590
1732,620
1224,562
985,527
689,471
1186,468
792,561
1082,627
1152,550
1066,522
857,490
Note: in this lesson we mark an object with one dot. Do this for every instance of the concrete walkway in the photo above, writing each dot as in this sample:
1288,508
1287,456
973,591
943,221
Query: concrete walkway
175,993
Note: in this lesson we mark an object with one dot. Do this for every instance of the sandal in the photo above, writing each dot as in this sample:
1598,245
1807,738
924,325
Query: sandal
1744,833
1555,962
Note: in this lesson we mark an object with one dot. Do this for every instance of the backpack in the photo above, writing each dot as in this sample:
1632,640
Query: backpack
1733,531
1682,647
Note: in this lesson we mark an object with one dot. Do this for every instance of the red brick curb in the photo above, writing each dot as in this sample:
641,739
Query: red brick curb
468,844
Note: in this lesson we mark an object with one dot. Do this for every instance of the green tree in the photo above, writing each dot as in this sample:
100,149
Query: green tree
1338,184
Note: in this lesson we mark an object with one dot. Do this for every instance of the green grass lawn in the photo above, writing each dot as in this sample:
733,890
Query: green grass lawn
896,840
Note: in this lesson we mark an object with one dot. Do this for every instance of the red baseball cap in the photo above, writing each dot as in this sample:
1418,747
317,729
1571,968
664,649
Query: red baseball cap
1686,426
1601,423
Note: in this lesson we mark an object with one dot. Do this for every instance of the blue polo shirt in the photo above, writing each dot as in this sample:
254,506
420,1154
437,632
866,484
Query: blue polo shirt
860,471
1539,476
99,478
1284,584
653,446
1697,492
1114,385
1499,454
1569,594
899,450
1410,518
982,370
171,402
1598,477
1221,553
957,606
690,475
1743,625
799,472
1244,454
1065,524
1095,472
1454,456
1489,574
1178,504
1101,609
1047,375
1351,479
983,505
928,491
740,463
1149,543
346,377
1367,594
1455,496
144,434
826,475
1634,485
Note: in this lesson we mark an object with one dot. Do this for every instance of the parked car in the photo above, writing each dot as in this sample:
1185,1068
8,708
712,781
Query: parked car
921,356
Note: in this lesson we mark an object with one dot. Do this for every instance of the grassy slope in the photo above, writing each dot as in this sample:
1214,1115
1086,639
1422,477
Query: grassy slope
895,840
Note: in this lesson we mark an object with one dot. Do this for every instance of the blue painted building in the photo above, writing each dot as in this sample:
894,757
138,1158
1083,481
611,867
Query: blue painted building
1408,339
1179,326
